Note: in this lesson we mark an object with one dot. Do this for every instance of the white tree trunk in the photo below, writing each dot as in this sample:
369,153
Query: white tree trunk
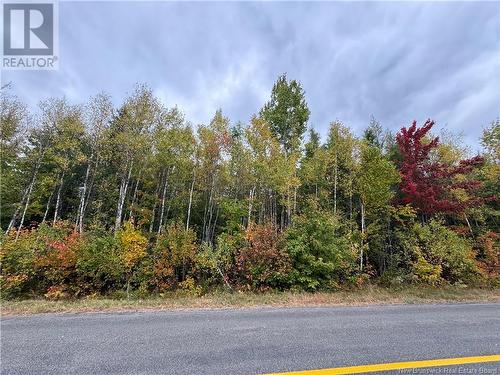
190,201
121,199
335,177
153,212
18,209
26,197
58,200
22,203
250,204
134,197
362,235
47,207
163,198
81,207
25,208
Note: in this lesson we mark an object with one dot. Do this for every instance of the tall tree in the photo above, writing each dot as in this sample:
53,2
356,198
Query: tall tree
374,134
131,139
490,175
375,180
287,113
340,147
98,115
14,120
431,186
314,170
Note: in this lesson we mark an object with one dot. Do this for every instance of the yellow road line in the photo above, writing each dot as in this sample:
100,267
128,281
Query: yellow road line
396,366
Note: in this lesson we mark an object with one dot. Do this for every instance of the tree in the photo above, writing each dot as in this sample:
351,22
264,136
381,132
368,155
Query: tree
376,179
287,113
320,250
313,170
491,141
431,186
52,149
374,134
490,175
98,115
93,198
215,142
13,127
263,261
340,147
274,173
66,150
173,145
131,130
173,253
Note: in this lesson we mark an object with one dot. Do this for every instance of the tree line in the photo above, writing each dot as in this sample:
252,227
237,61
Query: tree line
98,199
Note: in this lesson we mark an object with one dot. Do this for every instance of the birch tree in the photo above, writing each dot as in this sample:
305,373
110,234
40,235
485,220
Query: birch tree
131,138
98,115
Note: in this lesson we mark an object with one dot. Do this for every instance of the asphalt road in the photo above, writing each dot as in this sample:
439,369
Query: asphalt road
249,341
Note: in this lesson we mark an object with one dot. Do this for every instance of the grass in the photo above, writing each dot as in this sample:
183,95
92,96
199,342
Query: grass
365,296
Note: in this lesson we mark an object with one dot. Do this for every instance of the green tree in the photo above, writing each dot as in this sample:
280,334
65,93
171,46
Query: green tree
340,148
376,180
14,124
287,113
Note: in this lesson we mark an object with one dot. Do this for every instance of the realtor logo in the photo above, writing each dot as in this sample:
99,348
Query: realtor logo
29,35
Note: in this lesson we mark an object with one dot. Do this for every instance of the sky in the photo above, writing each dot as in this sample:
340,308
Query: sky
396,61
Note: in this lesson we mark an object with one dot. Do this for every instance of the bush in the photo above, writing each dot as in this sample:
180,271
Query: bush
99,265
321,256
173,256
488,253
17,260
435,254
218,263
263,262
40,259
132,249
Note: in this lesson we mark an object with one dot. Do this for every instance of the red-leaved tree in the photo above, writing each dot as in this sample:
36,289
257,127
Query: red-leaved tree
429,185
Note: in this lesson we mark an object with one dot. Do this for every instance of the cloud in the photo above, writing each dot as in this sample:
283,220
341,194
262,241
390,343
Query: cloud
396,61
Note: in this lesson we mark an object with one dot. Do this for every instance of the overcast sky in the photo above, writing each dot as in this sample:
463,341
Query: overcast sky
395,61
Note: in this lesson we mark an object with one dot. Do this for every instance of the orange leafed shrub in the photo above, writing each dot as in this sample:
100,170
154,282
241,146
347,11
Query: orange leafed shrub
489,253
174,255
264,262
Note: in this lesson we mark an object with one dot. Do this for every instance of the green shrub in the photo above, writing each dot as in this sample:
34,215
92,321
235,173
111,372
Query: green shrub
99,264
321,256
217,263
17,261
433,254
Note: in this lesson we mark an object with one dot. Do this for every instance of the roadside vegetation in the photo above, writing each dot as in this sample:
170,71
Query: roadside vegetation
135,203
221,299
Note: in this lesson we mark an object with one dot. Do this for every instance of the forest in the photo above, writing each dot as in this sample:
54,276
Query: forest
136,200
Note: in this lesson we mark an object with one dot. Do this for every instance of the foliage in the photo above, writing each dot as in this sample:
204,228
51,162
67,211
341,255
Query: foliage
488,253
263,262
173,256
98,199
322,256
287,113
100,262
132,245
218,262
436,254
432,186
376,178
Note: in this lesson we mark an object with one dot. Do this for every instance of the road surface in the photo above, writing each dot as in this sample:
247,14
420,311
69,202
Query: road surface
248,341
